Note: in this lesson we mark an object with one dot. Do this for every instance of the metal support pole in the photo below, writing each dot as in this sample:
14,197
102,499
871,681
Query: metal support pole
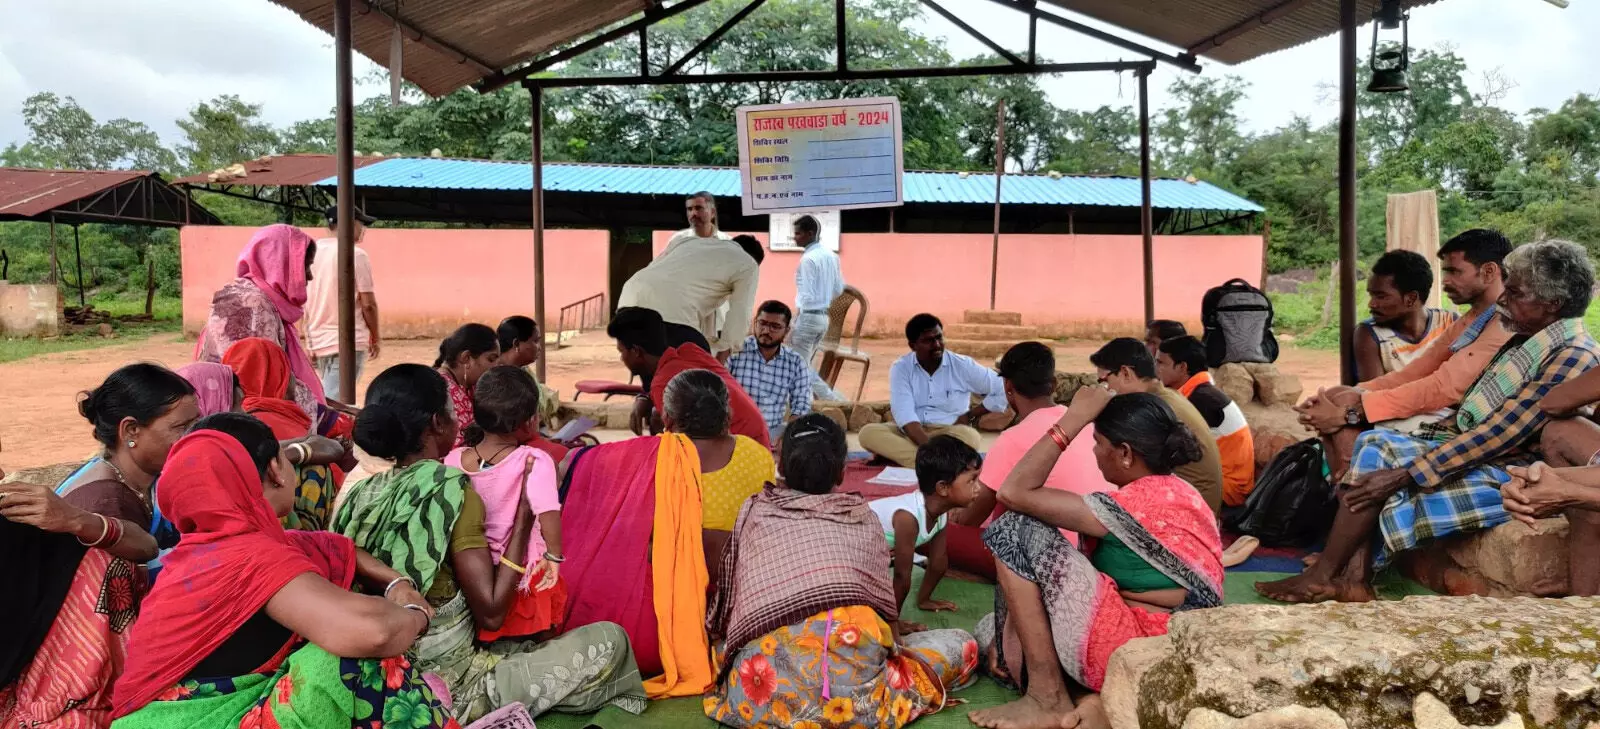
1347,190
536,93
55,264
999,175
344,130
1146,225
839,37
77,252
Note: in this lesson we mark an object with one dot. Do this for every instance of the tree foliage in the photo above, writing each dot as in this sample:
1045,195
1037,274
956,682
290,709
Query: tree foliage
1531,175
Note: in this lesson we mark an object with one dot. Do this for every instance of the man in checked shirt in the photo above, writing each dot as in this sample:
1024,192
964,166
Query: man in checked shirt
1447,480
774,375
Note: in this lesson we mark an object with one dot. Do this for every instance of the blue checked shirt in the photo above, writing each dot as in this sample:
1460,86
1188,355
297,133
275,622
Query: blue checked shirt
783,384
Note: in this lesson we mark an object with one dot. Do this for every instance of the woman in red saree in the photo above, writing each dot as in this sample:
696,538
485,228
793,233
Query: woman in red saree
1146,550
262,371
255,626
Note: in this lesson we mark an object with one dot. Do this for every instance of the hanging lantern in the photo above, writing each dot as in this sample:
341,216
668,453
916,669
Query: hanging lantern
1389,67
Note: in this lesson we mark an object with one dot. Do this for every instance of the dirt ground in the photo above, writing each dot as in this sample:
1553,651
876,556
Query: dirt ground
39,423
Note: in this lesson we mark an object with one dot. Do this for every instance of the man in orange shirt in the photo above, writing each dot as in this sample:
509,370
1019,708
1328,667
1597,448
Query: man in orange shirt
1472,275
1181,365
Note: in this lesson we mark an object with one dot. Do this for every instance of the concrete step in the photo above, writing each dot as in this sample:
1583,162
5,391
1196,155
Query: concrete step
984,316
990,332
983,351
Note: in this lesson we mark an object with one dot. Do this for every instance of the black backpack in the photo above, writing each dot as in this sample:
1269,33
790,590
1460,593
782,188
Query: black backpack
1238,324
1293,504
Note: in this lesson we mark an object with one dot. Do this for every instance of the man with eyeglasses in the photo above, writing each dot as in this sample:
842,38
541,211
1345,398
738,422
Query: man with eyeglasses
774,375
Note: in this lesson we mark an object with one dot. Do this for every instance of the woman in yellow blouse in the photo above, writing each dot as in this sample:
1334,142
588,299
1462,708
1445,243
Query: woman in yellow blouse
732,467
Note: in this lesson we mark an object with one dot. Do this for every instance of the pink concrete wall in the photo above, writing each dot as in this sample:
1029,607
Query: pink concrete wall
1066,285
429,281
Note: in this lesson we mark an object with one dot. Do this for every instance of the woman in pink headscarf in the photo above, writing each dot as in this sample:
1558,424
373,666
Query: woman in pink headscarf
265,301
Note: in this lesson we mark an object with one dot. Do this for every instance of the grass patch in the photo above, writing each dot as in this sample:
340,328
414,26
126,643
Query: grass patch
81,338
168,320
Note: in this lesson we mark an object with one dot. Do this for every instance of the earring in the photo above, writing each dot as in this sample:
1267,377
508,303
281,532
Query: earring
130,444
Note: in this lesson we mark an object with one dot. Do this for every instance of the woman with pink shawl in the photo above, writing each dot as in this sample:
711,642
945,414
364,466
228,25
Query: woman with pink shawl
265,301
1146,550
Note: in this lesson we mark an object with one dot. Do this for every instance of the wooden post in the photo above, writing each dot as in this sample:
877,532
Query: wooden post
536,93
55,265
999,175
344,130
149,286
77,252
1146,221
1266,245
1347,191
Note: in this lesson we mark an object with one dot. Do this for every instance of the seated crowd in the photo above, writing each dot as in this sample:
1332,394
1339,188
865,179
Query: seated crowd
211,568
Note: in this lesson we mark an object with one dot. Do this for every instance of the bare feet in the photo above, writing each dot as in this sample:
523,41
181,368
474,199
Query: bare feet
1354,591
1310,560
1090,714
1028,712
1301,588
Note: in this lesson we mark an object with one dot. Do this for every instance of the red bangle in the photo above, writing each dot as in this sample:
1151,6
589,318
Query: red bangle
1059,435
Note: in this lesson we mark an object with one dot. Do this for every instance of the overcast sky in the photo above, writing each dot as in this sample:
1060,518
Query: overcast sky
152,60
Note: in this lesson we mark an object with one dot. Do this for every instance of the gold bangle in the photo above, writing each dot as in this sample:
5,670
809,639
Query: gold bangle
519,569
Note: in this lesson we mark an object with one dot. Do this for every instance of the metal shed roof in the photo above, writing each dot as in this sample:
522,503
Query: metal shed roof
95,196
276,170
920,187
448,44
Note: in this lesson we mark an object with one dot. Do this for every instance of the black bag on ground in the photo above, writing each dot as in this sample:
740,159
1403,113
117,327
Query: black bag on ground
1293,504
1238,324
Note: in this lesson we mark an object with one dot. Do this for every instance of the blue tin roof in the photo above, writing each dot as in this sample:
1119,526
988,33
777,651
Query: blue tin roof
920,187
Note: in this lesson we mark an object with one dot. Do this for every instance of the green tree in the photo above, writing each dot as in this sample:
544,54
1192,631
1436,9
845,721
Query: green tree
1199,133
62,134
223,131
1104,141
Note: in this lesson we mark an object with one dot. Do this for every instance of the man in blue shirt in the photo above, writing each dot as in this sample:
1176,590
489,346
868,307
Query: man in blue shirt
930,393
773,375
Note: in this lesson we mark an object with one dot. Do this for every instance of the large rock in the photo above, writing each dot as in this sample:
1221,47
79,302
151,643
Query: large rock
618,414
837,413
1067,384
1483,658
1235,382
1283,717
1273,428
1123,673
1278,388
996,422
43,475
862,415
1509,560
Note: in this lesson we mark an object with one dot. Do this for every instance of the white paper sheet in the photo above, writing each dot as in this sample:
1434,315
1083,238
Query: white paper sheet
895,476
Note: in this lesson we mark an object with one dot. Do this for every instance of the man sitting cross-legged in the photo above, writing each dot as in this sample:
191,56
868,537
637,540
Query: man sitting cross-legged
1410,489
930,392
1473,273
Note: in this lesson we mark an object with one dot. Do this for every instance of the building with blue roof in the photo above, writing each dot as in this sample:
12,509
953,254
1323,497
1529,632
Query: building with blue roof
628,196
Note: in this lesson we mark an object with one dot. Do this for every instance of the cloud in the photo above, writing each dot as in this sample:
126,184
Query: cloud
153,60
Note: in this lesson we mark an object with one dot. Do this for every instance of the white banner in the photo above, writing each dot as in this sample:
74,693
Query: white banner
820,155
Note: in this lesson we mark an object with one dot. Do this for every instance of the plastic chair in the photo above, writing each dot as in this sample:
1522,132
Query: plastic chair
607,389
834,353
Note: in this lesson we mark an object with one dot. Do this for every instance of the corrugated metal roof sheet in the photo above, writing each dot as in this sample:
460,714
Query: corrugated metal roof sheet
25,193
1250,28
455,43
449,44
276,170
920,187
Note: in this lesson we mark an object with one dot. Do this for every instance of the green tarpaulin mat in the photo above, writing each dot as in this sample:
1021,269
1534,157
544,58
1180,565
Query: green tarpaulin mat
976,600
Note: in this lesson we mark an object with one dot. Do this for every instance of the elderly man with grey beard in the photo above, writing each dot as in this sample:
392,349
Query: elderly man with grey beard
1410,488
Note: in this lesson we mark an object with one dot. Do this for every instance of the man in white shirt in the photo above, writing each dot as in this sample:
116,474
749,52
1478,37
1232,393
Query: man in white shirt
930,393
322,308
817,282
699,270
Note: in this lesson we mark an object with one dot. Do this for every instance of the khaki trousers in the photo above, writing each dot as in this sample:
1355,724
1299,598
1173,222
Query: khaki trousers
889,441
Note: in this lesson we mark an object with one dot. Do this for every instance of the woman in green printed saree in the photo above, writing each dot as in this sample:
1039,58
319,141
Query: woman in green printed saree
255,626
424,518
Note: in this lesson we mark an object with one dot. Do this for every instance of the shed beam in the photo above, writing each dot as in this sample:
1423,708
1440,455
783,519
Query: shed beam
849,75
365,7
651,17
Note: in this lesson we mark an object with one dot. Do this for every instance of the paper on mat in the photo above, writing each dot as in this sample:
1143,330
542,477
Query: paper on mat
895,476
573,429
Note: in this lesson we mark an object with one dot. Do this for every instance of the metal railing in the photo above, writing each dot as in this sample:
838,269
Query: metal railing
579,317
